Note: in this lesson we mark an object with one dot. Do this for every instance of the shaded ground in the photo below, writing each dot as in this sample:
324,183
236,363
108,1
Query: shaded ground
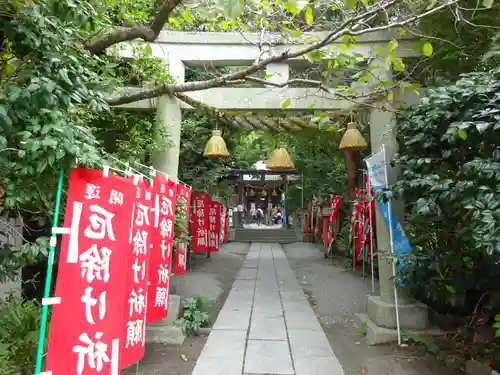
211,278
336,295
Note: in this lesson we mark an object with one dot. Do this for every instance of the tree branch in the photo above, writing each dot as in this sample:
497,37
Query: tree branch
146,33
348,27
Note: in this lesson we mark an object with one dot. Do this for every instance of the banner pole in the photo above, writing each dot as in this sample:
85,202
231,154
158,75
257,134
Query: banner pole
389,216
363,231
370,228
48,277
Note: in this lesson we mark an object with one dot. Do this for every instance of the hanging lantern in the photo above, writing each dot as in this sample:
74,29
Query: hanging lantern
251,193
279,159
216,146
352,139
263,193
274,193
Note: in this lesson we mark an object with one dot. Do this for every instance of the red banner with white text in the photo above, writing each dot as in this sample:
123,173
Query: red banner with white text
223,225
162,235
180,251
87,324
133,339
199,223
369,217
213,226
336,200
335,205
356,227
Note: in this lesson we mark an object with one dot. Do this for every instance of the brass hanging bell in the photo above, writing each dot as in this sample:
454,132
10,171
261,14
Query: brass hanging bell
279,159
352,139
216,146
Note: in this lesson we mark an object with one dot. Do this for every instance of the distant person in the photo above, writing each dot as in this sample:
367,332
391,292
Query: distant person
260,215
253,212
279,216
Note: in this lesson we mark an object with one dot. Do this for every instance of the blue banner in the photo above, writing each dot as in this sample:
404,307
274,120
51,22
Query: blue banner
377,173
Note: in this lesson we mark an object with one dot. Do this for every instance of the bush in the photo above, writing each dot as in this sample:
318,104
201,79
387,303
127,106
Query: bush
450,158
194,315
19,329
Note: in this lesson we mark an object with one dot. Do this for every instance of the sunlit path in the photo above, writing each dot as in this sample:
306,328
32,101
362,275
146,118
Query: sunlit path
267,325
262,226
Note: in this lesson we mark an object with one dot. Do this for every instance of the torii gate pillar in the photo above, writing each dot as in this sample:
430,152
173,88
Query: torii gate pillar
380,320
169,118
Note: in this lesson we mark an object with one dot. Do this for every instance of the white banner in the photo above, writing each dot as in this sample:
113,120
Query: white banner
377,173
377,170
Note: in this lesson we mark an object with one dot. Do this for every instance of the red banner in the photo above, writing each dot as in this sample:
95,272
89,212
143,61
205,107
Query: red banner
213,225
354,215
180,251
133,338
306,230
324,231
369,216
335,207
335,203
356,227
223,225
199,224
87,324
161,240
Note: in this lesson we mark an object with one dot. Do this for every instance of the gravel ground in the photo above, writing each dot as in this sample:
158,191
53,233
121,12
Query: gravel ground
210,278
336,295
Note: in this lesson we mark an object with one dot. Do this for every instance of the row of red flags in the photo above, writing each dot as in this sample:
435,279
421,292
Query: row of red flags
114,266
361,224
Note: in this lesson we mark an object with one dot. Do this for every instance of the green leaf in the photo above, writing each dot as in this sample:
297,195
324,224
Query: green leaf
351,4
451,289
315,56
393,44
231,8
427,49
286,103
187,16
462,133
299,4
4,116
488,3
309,15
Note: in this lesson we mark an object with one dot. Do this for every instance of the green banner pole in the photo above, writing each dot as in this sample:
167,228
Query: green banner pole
48,277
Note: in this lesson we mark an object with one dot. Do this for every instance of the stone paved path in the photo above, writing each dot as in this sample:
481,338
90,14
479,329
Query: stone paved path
267,325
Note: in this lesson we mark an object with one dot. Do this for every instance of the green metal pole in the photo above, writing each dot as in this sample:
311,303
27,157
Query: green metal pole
48,278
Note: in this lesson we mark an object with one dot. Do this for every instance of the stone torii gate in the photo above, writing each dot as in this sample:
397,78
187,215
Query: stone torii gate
214,49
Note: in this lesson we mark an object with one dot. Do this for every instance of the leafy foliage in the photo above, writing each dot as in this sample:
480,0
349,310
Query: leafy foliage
19,325
194,315
181,235
497,325
459,46
450,157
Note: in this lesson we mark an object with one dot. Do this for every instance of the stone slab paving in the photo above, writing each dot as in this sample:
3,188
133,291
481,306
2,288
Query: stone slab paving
266,325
